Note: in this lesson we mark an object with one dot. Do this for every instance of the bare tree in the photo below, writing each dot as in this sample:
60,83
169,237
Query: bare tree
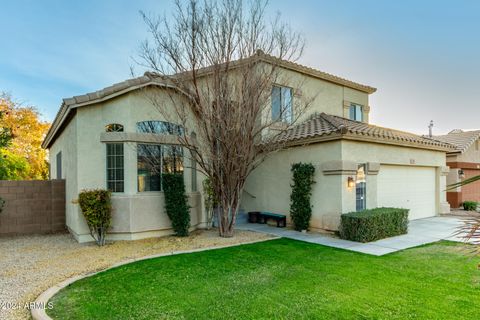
224,58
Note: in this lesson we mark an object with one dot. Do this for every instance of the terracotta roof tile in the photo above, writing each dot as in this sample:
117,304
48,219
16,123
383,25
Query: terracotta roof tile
462,140
324,125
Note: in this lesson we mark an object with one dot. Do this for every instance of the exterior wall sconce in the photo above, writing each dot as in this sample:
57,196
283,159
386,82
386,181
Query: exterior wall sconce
461,174
350,182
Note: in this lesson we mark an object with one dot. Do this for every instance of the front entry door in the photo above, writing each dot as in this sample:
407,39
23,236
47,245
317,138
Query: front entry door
361,188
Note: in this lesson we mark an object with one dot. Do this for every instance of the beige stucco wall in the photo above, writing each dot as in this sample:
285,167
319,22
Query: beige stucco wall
67,144
268,187
135,214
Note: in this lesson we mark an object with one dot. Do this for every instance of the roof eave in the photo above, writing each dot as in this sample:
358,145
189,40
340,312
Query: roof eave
354,137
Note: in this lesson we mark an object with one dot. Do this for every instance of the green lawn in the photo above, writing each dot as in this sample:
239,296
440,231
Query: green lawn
282,279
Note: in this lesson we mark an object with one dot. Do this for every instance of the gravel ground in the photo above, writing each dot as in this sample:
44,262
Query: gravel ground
31,264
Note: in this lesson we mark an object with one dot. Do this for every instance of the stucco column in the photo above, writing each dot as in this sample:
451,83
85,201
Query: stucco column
337,173
443,205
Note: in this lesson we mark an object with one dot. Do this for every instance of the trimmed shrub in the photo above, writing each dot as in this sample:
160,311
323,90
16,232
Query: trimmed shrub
176,203
300,207
373,224
470,205
96,207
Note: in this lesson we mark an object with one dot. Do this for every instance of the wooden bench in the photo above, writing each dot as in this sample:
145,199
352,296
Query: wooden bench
263,217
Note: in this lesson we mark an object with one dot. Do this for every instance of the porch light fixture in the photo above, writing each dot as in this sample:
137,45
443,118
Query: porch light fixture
461,174
350,182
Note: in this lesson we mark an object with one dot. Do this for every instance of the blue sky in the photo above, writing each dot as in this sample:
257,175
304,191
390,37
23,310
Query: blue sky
423,56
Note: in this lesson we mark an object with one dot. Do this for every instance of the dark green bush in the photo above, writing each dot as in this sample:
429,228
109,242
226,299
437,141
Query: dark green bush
300,207
373,224
470,205
176,203
96,207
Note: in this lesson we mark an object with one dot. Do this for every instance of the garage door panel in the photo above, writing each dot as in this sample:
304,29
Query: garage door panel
408,187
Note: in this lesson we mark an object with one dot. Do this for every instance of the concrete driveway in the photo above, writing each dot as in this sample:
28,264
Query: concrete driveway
420,232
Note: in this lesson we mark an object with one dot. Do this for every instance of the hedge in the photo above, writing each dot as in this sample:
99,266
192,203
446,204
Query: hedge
470,205
176,203
374,224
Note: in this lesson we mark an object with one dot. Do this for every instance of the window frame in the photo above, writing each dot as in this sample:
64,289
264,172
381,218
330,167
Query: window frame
361,186
58,165
357,111
115,157
160,164
159,127
114,127
283,116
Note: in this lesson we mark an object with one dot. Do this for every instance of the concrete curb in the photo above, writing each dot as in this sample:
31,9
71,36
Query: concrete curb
44,297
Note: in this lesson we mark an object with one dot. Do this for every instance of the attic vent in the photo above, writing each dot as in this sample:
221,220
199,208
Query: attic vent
456,131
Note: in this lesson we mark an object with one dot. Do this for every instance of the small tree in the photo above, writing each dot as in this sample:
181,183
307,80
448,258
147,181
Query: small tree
300,207
96,207
176,203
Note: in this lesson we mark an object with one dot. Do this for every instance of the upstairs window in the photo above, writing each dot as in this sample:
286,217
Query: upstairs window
282,104
159,127
356,112
114,127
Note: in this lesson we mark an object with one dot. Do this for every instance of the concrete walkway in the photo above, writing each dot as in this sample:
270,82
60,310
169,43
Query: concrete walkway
420,232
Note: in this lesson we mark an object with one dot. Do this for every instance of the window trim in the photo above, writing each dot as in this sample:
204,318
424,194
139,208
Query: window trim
114,127
162,146
354,106
362,166
280,118
176,129
58,165
114,155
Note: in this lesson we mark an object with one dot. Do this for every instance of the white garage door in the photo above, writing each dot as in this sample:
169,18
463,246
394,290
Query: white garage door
407,187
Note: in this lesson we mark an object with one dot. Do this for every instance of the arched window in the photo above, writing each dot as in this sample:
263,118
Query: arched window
114,127
159,127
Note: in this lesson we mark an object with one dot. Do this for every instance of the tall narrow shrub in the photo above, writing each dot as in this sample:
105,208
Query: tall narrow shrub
300,207
176,203
96,207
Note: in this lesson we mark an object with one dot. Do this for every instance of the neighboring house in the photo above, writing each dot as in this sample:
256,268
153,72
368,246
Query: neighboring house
111,138
464,163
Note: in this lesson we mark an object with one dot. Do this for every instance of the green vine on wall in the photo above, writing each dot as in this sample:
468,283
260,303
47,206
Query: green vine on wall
300,206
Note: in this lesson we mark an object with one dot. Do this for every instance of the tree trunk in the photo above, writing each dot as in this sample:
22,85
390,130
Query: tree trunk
227,216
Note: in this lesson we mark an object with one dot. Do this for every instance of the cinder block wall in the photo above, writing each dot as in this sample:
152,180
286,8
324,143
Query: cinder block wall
35,206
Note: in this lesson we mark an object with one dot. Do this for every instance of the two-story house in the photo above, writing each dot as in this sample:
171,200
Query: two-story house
111,138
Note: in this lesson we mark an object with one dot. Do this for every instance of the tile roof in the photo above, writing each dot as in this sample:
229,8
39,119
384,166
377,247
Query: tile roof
328,127
462,140
151,78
